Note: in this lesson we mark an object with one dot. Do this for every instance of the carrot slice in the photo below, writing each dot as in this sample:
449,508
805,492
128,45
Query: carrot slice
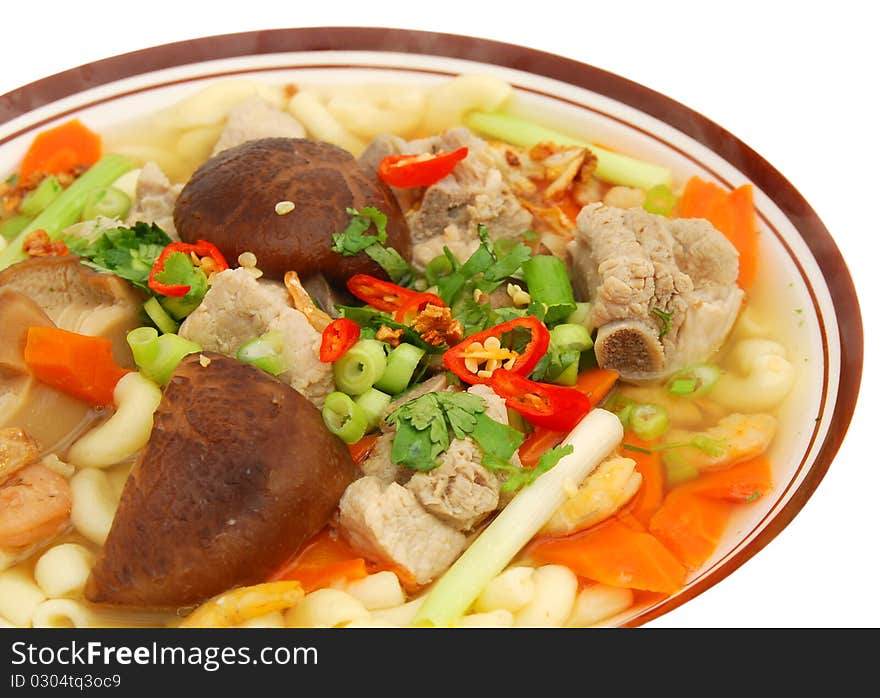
359,450
743,482
537,443
77,364
61,148
615,553
647,500
596,383
733,214
690,525
323,560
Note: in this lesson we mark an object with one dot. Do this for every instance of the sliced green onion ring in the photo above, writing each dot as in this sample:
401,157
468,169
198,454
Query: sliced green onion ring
344,417
694,381
648,421
361,367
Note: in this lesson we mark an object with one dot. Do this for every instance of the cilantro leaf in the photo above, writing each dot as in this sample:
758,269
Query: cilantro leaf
354,238
424,425
462,410
496,438
127,252
522,477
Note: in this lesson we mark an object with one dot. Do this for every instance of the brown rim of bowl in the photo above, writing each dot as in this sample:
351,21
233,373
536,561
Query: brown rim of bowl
703,130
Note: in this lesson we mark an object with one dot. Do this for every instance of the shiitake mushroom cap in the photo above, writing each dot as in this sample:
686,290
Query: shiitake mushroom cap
231,201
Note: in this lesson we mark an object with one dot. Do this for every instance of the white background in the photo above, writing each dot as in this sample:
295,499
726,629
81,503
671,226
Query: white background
797,81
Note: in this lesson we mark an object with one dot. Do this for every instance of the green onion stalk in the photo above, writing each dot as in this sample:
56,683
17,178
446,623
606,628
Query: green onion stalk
66,209
157,356
611,167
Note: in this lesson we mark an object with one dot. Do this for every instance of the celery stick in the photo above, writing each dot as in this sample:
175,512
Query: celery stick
67,208
593,438
612,167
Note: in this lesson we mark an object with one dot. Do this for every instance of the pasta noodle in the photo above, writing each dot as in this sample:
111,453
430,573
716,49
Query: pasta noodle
19,597
321,124
555,590
598,602
511,590
325,608
379,590
499,618
451,100
760,378
126,432
62,571
370,111
94,504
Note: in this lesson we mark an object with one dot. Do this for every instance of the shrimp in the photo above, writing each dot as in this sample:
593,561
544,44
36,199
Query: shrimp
737,437
17,449
604,492
35,504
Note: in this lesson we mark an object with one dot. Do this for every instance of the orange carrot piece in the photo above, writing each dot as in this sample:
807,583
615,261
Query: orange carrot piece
615,553
321,561
648,499
61,148
596,383
743,232
743,482
77,364
733,214
537,443
359,450
690,526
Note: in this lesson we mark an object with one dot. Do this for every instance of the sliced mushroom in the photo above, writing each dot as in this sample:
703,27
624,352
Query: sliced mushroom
79,299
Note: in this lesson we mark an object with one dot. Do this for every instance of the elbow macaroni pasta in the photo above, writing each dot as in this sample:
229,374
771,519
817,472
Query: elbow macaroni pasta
758,379
19,597
369,111
62,571
325,608
596,603
451,100
555,591
379,590
321,124
511,590
128,429
94,504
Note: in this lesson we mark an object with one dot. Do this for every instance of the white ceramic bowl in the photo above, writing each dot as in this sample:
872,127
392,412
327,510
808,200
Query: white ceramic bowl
801,262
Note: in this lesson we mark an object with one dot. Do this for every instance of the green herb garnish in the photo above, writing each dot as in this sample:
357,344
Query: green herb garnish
522,477
427,424
127,252
356,238
666,318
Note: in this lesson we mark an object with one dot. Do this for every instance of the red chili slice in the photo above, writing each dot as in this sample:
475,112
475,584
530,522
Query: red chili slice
337,338
382,295
411,307
549,406
419,170
528,358
200,249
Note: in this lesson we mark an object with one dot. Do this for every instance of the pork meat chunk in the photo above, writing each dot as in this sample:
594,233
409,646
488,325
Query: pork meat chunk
256,118
448,213
238,308
663,290
154,199
460,491
386,521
